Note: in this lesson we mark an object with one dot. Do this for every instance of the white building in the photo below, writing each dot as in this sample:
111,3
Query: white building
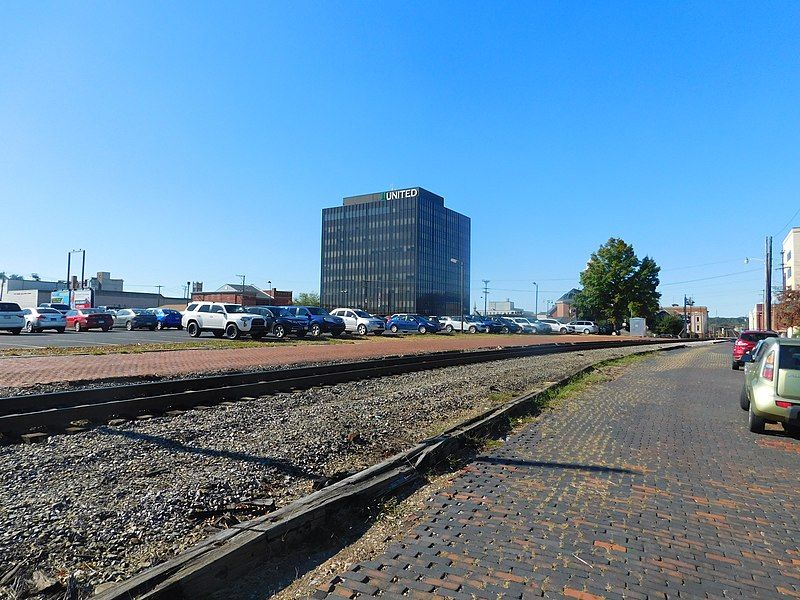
790,251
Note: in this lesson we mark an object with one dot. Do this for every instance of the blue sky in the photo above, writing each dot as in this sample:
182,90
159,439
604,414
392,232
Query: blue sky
196,141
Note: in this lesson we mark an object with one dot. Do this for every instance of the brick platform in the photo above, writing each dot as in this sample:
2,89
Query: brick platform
646,487
21,372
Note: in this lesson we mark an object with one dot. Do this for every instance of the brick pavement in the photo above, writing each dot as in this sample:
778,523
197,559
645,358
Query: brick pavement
649,486
21,372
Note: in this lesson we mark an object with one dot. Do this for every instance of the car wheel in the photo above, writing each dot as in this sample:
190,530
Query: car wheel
362,330
585,332
735,365
232,332
422,329
152,328
473,329
504,330
562,330
106,329
393,328
755,423
60,329
129,325
449,328
159,326
791,429
29,327
315,330
279,331
77,326
193,329
744,401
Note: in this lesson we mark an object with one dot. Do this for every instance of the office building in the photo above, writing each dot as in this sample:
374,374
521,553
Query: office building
790,253
395,252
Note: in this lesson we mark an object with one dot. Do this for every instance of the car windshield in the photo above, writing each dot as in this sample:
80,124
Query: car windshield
362,314
790,358
140,311
234,308
279,312
48,311
9,307
316,310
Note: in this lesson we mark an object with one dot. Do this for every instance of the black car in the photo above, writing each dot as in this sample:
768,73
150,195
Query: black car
506,325
320,320
279,321
493,326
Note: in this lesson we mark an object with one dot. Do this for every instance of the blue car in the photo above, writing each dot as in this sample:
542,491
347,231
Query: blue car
492,325
319,320
167,318
411,323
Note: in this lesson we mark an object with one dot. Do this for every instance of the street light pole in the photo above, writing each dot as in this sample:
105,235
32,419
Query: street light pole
485,295
243,278
768,283
536,309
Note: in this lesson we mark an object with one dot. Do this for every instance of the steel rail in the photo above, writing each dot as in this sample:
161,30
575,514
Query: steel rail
56,411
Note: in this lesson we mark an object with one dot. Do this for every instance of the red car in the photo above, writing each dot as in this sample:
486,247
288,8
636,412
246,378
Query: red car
82,319
746,342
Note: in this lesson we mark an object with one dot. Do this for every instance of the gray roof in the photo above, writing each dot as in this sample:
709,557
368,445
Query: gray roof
238,288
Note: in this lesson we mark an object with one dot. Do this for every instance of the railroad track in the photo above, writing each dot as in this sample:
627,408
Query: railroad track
33,417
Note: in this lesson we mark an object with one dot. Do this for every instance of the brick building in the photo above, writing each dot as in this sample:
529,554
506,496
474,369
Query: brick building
248,295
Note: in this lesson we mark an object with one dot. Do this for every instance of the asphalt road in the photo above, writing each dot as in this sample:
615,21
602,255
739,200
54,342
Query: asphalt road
95,337
648,486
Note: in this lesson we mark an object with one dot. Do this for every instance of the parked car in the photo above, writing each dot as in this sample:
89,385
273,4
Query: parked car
279,321
525,327
83,319
221,318
359,321
62,308
555,325
584,327
11,317
135,318
39,319
771,390
167,318
540,328
491,325
320,320
506,325
405,322
450,324
746,342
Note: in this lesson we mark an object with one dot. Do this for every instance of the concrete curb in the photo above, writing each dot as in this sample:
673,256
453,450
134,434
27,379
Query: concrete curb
209,565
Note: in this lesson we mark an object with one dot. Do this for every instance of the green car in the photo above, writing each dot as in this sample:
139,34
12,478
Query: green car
771,392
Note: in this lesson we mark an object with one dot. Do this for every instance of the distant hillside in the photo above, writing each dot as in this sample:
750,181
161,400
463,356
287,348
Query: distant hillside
738,322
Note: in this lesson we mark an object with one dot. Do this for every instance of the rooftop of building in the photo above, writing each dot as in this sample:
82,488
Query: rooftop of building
412,192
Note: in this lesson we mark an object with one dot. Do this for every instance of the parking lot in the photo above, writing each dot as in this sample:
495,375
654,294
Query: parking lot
93,338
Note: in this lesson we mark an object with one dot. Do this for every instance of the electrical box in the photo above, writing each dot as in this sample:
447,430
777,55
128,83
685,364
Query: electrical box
638,326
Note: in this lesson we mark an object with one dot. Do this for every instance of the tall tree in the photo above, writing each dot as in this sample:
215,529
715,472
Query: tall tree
787,310
617,285
306,299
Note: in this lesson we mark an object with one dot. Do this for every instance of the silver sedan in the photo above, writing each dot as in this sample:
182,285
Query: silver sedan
39,319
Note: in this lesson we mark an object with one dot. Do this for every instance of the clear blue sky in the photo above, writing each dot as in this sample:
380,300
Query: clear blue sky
197,141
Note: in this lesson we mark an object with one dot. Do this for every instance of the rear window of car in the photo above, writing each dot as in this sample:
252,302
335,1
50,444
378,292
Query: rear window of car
48,311
9,307
757,336
789,358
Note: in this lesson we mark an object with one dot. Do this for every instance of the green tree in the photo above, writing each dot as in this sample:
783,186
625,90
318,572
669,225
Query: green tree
787,310
306,299
617,285
667,323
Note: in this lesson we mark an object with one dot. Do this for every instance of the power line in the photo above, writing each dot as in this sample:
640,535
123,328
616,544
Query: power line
789,222
707,278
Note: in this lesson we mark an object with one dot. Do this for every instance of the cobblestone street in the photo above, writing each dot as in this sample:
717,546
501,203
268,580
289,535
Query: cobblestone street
648,486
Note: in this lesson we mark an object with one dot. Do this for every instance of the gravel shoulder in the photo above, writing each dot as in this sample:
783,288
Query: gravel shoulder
102,505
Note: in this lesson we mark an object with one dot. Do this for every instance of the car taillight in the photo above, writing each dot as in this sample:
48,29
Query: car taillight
768,372
782,404
740,343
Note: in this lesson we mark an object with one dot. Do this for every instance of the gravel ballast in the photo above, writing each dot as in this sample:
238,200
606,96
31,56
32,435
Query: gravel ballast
102,505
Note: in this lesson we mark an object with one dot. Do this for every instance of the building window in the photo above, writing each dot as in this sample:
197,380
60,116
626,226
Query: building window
788,256
789,272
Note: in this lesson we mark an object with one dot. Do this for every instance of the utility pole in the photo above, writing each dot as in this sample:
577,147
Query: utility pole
242,276
485,295
460,264
159,293
536,309
768,284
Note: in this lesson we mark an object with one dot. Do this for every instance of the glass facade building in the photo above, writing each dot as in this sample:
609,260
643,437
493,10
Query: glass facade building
396,252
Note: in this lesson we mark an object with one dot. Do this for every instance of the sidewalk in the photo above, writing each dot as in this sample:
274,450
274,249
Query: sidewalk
649,486
22,372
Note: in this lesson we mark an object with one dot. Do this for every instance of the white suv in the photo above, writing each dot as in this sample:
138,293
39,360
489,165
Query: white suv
557,326
359,321
584,327
220,318
11,317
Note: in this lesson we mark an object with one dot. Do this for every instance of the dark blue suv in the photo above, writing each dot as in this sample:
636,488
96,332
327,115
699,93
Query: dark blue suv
319,320
279,322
